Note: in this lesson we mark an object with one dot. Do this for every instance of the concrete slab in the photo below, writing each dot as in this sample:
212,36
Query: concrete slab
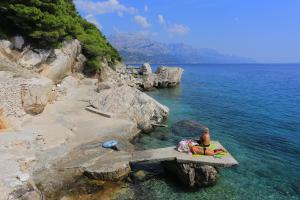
170,153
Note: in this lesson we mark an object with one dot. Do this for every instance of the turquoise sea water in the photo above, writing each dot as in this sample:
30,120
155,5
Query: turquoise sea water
254,110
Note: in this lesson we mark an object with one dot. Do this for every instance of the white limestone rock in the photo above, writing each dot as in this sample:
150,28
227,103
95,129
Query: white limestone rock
168,76
34,57
145,69
61,62
6,44
18,42
35,94
79,63
130,103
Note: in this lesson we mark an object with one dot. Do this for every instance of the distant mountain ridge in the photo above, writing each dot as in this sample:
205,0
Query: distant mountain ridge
137,48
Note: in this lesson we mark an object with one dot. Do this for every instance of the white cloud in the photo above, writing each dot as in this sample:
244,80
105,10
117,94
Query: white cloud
142,21
120,14
177,29
104,7
172,29
161,19
91,18
146,8
147,33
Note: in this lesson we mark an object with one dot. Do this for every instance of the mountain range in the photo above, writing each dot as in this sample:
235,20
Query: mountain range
138,48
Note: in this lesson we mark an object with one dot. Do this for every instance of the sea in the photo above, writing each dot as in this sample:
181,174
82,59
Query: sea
253,110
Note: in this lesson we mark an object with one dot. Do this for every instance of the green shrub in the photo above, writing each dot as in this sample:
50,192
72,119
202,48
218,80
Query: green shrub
46,23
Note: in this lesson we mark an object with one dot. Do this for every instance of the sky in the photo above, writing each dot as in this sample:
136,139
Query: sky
264,30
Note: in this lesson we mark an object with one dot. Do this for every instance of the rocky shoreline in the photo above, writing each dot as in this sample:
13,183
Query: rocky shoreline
44,122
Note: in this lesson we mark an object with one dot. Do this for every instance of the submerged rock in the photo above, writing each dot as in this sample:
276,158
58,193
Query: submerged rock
193,175
139,175
187,128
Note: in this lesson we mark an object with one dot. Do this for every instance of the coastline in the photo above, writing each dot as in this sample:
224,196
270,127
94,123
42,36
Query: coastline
57,132
52,137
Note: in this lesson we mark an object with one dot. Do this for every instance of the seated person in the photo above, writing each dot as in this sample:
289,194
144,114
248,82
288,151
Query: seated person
203,144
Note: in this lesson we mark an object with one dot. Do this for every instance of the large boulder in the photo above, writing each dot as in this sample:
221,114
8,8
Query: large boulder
35,94
145,69
108,74
130,103
168,76
148,81
18,42
6,45
34,57
192,174
79,63
10,94
143,79
61,62
21,93
6,48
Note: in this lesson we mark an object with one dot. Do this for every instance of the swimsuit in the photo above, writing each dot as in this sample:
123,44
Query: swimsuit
195,148
204,147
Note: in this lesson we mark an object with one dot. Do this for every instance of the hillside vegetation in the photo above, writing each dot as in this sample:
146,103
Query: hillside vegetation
47,23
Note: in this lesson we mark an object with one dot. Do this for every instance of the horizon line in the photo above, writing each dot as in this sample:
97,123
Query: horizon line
254,63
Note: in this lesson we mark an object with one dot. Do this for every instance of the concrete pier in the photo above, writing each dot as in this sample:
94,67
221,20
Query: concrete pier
170,153
116,164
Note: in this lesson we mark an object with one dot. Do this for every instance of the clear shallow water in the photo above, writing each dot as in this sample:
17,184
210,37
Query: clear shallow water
254,110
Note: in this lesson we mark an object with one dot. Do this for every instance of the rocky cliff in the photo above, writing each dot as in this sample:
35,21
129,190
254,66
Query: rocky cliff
43,110
40,70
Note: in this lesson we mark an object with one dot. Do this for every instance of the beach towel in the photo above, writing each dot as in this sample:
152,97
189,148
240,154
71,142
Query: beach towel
213,146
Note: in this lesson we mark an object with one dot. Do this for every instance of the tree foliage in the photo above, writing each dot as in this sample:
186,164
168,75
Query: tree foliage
46,23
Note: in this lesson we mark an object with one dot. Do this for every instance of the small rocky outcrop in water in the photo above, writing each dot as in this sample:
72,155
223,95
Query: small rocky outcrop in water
193,175
145,69
168,76
143,79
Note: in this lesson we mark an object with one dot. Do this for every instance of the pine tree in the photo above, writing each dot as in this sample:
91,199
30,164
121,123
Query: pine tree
47,23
